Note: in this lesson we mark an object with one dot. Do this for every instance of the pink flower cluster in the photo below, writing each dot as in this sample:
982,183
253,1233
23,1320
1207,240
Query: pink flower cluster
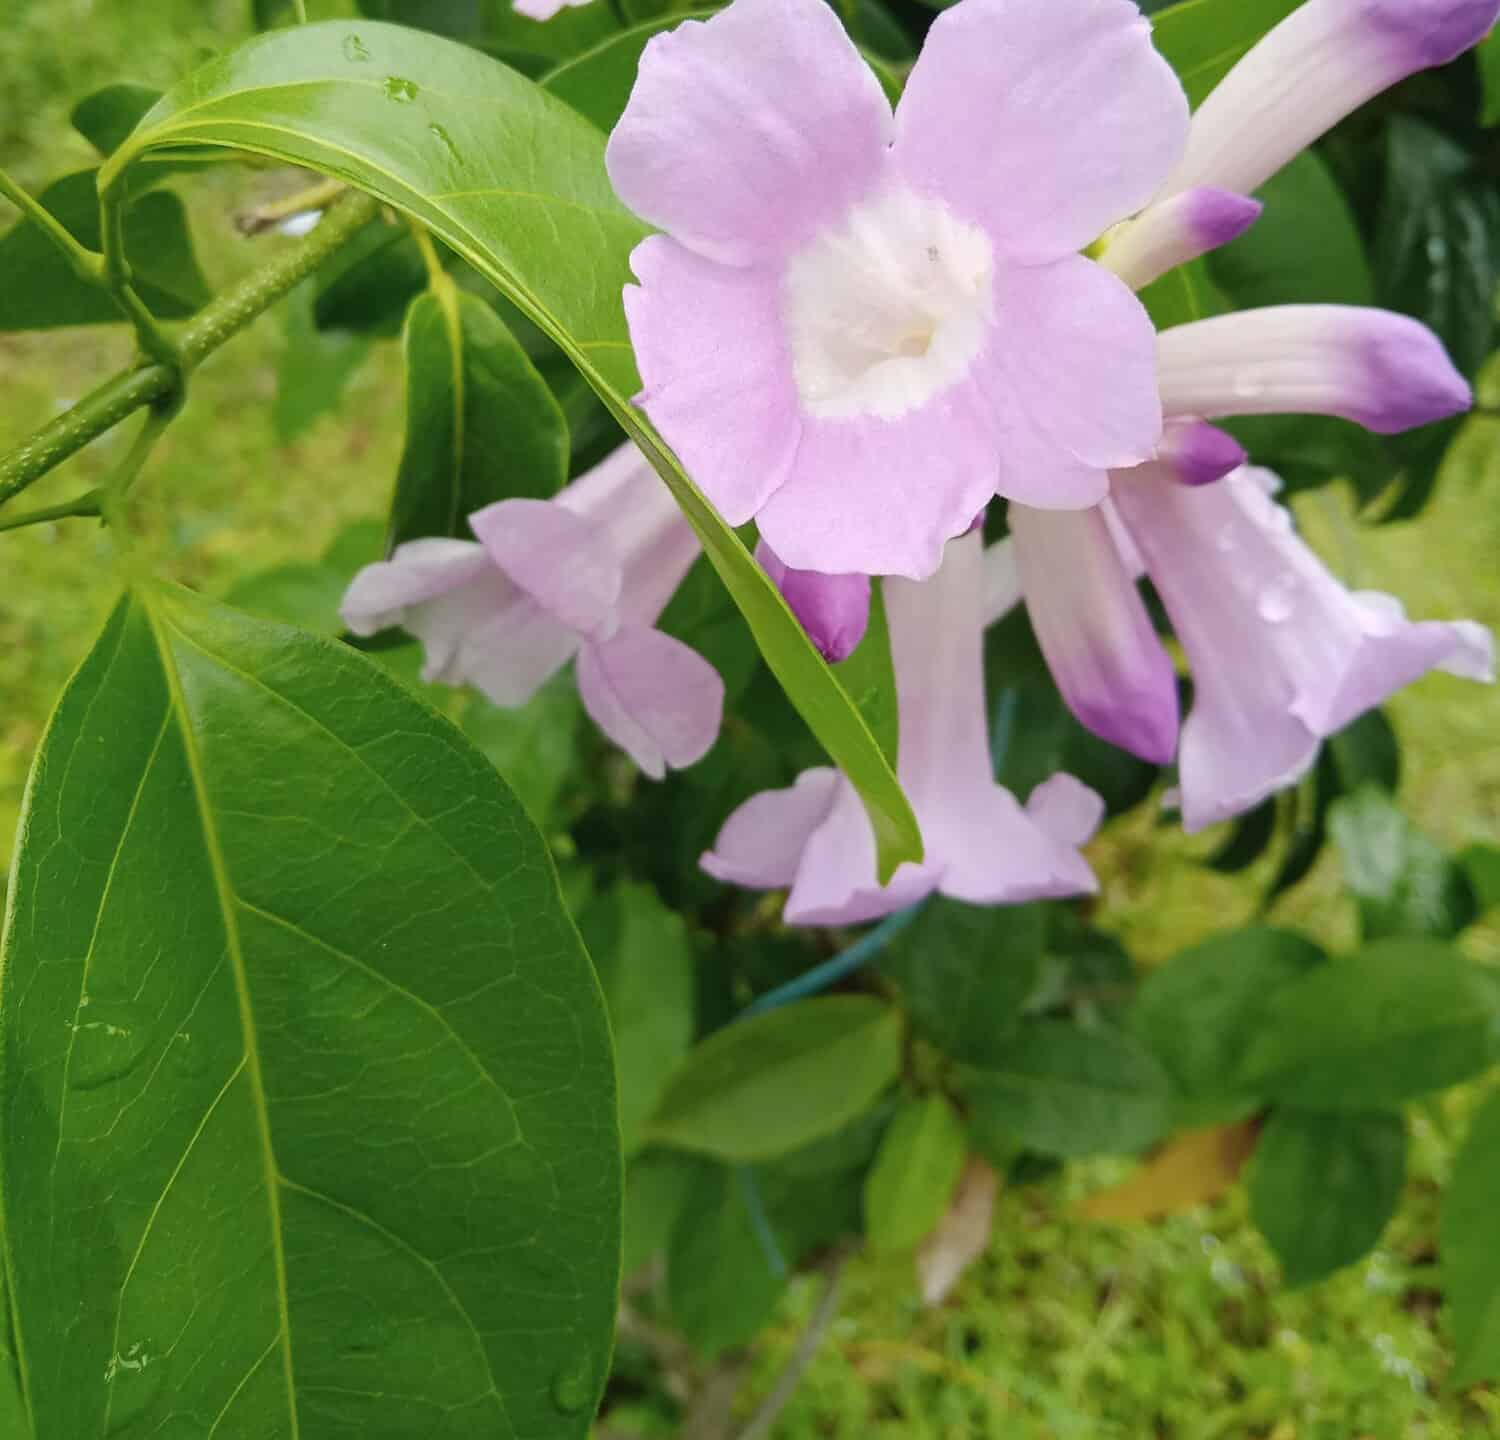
859,326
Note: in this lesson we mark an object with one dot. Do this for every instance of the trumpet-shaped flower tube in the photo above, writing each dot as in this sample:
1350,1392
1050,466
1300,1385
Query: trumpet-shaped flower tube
860,327
980,844
585,574
1382,370
1281,654
1176,231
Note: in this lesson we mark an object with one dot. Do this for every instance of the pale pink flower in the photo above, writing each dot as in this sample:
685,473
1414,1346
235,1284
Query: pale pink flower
584,575
859,327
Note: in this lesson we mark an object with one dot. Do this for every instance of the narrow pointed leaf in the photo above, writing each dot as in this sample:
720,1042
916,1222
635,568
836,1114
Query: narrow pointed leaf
1471,1259
512,180
916,1169
306,1076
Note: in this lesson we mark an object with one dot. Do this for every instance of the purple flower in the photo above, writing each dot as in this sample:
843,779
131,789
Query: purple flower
544,9
860,327
1321,63
981,845
834,610
585,574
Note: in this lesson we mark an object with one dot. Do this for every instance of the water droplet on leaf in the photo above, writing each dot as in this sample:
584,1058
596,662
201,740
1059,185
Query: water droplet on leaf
354,50
403,92
108,1040
445,139
573,1386
134,1374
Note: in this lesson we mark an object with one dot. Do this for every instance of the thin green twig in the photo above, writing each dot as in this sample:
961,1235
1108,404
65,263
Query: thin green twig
87,264
155,343
89,503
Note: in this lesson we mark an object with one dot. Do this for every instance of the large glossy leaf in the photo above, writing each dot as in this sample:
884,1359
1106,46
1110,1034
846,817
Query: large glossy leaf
1204,39
41,292
1471,1258
513,180
1384,1026
481,424
1323,1187
770,1084
306,1077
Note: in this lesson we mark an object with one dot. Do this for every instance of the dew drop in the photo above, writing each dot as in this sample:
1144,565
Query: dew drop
354,50
107,1043
403,92
1276,604
573,1385
444,139
134,1374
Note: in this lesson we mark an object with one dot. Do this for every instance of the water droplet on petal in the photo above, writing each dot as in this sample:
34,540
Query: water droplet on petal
1276,603
108,1041
573,1385
403,92
134,1374
354,50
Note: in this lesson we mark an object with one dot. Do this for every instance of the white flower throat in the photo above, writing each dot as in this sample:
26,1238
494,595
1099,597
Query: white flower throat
886,308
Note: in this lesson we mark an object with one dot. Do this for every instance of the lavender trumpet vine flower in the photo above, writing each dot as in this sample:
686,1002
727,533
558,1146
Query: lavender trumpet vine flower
586,574
859,327
981,845
834,610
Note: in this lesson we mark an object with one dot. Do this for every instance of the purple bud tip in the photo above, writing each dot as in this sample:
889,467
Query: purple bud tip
1432,32
834,610
1199,453
1219,216
1408,378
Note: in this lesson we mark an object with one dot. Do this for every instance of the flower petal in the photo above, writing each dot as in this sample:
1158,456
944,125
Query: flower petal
746,131
1073,379
507,654
1093,628
1044,120
1066,809
562,561
760,846
712,352
834,610
421,570
1384,371
1177,230
658,700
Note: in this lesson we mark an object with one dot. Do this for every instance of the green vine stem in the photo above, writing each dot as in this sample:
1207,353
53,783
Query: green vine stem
222,318
87,264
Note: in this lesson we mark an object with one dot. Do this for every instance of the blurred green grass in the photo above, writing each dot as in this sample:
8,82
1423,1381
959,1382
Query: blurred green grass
1066,1328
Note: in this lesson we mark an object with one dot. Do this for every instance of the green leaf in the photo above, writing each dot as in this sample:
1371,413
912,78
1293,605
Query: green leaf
313,370
1470,1257
869,678
1183,295
494,26
534,747
1482,863
777,1081
1367,752
658,1185
1068,1091
1404,883
1204,39
306,1074
41,292
645,966
512,180
918,1164
1200,1012
964,971
1249,839
724,1275
481,424
107,117
1399,1019
1322,1187
1488,56
368,285
598,82
308,594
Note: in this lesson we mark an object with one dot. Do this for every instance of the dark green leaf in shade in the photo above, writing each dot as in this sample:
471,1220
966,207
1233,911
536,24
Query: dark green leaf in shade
658,1184
513,181
308,594
964,971
313,370
1404,883
640,951
1200,1012
306,1074
1367,752
1488,56
1249,839
702,616
1323,1187
1183,295
496,27
368,285
773,1083
869,678
597,82
1067,1091
1395,1021
534,747
1308,806
40,291
919,1161
481,424
1470,1256
1482,862
1204,39
724,1273
107,117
